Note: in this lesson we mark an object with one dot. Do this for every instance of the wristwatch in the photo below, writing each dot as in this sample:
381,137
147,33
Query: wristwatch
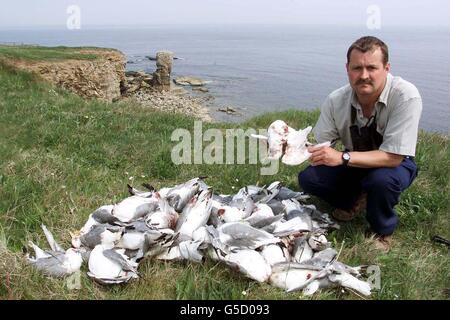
345,158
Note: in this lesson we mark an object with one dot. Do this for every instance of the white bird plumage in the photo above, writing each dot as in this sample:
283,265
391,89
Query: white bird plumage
264,232
55,262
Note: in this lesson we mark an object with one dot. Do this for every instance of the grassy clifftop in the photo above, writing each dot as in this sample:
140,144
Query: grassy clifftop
61,157
87,71
40,53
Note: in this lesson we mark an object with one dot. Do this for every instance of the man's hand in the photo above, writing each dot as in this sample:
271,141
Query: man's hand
325,156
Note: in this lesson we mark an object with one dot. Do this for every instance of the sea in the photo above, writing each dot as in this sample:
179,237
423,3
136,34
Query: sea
264,68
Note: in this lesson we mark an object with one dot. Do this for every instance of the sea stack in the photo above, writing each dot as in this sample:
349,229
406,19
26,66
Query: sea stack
161,77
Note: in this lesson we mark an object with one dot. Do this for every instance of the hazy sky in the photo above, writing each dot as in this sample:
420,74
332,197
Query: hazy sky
21,13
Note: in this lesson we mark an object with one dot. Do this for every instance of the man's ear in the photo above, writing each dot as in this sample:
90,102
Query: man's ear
346,66
388,67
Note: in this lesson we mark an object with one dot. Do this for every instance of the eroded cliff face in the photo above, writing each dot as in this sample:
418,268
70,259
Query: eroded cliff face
102,78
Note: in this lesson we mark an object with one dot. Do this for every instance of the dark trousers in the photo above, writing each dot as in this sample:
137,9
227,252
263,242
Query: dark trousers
340,186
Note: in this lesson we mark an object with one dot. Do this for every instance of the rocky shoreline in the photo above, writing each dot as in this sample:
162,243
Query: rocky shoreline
157,91
173,101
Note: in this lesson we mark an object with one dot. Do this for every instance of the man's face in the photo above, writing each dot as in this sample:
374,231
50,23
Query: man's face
366,72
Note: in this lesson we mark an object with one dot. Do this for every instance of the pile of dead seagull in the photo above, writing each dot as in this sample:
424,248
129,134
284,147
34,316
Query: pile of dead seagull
267,233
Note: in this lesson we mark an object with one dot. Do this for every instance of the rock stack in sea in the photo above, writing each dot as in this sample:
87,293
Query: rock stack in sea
161,77
156,90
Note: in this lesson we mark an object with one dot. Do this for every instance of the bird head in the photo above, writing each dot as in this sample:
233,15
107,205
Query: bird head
76,241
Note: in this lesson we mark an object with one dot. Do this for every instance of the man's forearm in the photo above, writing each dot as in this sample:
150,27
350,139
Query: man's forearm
374,159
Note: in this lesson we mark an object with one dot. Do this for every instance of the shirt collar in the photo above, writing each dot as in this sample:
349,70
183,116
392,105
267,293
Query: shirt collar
383,96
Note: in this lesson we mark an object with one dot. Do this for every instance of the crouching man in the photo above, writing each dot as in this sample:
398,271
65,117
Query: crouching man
376,117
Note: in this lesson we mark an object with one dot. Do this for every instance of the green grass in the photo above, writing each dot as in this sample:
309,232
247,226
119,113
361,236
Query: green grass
39,53
62,157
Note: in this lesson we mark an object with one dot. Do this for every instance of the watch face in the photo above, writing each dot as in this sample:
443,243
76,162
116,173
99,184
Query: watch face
346,156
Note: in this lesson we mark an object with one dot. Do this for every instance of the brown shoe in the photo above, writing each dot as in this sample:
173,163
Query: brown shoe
356,210
382,243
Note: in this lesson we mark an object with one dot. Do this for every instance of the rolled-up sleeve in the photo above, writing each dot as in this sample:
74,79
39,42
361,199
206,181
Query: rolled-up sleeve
400,136
325,128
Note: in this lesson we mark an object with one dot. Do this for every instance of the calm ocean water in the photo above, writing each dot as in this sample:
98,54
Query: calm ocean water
269,68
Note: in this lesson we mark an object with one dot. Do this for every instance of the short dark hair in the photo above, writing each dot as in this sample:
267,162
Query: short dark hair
369,43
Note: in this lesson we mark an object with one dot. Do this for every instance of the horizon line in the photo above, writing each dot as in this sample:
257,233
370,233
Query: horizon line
99,26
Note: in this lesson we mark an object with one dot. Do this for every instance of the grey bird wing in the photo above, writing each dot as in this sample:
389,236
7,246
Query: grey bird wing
51,266
132,254
85,254
113,229
276,206
154,245
302,212
267,221
215,241
212,231
222,199
175,202
114,256
243,235
324,220
104,216
50,269
93,237
138,226
271,192
341,268
286,193
323,258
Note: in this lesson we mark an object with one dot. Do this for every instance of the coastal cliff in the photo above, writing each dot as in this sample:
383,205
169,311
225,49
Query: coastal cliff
89,72
100,73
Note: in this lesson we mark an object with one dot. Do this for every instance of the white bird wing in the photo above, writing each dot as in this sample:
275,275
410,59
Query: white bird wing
51,241
302,251
240,235
313,276
38,252
291,226
189,250
295,157
261,213
273,254
115,280
172,253
250,263
259,136
347,280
